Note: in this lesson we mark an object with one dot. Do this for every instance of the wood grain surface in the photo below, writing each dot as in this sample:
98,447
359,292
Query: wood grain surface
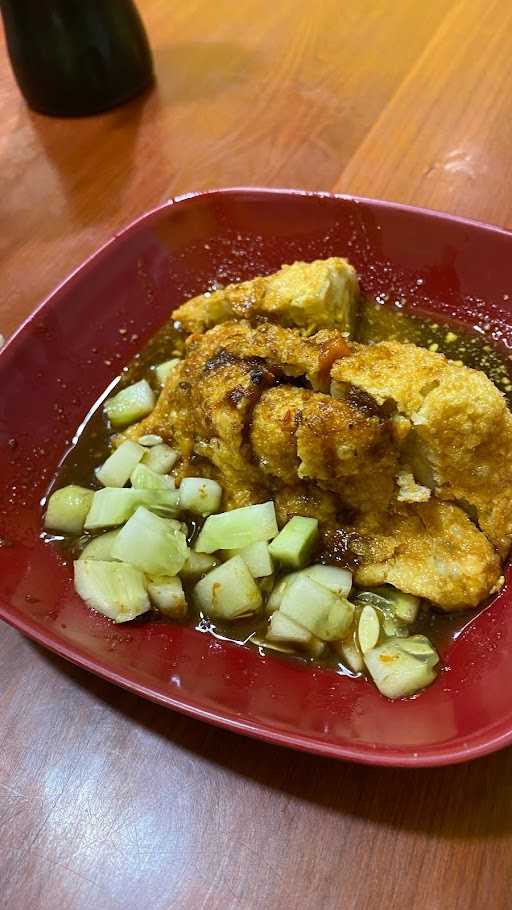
110,802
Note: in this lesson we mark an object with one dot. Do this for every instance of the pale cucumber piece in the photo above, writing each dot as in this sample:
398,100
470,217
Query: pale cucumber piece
394,628
275,599
100,547
405,606
200,495
228,592
396,671
116,470
419,646
374,600
266,584
197,564
160,458
285,630
168,596
67,509
112,588
238,528
282,628
149,440
317,647
319,610
294,544
163,370
368,629
256,557
154,545
337,580
338,621
350,654
130,404
280,647
143,478
111,506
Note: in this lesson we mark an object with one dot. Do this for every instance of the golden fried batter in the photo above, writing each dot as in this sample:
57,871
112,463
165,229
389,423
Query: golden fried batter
460,438
431,550
301,434
310,295
206,406
308,500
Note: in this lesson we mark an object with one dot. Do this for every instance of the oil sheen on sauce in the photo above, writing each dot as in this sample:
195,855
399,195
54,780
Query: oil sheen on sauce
378,322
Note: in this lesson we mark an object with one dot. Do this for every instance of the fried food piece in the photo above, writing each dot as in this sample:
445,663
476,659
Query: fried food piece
206,406
233,361
460,439
432,550
297,433
308,500
310,295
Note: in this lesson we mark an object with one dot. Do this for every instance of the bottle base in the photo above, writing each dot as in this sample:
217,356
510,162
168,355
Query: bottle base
71,112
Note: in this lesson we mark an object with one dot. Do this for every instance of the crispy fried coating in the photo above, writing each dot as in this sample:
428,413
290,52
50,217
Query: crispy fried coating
235,360
307,500
309,295
207,403
297,433
430,549
460,437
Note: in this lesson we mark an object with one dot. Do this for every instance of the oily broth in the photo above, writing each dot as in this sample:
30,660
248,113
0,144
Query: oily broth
379,321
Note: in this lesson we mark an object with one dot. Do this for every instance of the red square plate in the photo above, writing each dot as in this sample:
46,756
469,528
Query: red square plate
64,356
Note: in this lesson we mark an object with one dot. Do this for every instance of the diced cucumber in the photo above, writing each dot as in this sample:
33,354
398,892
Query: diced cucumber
319,610
394,628
67,509
154,545
294,544
317,647
405,606
397,671
276,597
265,584
337,580
368,629
278,646
256,557
160,458
130,404
113,588
167,594
361,598
163,370
238,528
143,478
420,646
350,654
282,628
149,440
100,547
229,591
197,564
200,495
116,470
111,506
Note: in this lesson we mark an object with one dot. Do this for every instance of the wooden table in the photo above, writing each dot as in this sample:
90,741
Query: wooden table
107,801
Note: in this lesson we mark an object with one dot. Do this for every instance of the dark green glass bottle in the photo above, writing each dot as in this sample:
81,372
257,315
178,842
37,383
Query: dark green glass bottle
77,57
